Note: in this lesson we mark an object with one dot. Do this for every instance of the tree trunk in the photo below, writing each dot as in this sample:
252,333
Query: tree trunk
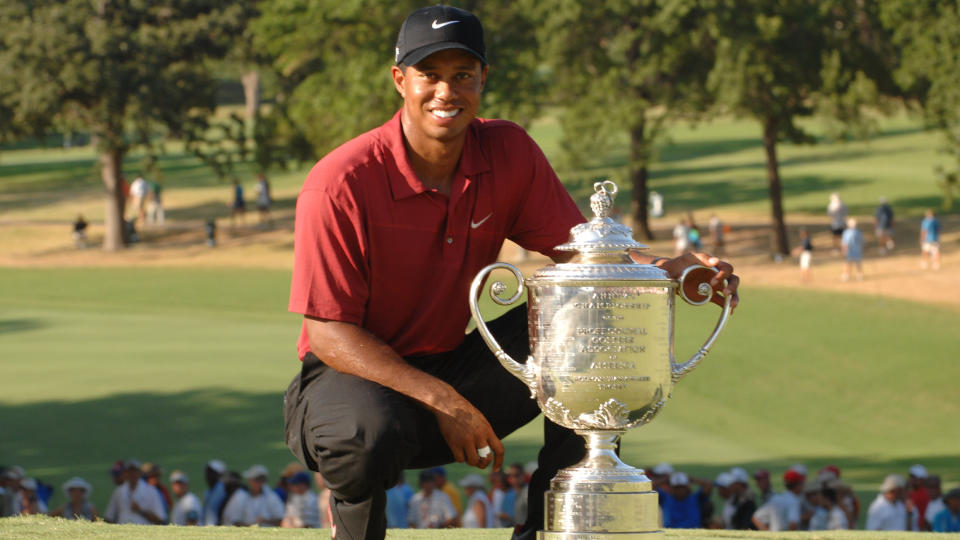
638,176
776,191
251,96
115,235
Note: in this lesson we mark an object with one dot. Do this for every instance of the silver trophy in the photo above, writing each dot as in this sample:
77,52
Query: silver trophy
602,362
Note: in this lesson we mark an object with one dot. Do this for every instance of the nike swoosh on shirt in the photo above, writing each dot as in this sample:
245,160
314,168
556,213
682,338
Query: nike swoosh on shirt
441,25
475,224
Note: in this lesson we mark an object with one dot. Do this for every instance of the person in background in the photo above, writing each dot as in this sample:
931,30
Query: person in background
302,511
917,492
134,501
683,509
520,480
828,515
155,213
948,519
264,200
78,506
398,500
723,482
323,501
236,501
852,243
10,478
805,252
716,235
478,512
283,483
80,232
498,491
681,238
216,494
932,483
238,208
151,475
783,511
764,487
27,503
930,241
742,499
888,512
187,510
139,191
837,211
431,508
693,233
883,221
440,477
264,508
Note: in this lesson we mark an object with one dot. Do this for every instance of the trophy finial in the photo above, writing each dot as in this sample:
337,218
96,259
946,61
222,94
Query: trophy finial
601,202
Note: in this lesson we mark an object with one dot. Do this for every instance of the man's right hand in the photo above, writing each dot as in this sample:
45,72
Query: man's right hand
466,430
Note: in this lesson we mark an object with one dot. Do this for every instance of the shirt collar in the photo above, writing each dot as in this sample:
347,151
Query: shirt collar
403,179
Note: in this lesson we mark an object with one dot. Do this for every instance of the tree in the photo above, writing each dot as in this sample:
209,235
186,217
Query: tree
624,68
332,61
777,61
928,37
128,71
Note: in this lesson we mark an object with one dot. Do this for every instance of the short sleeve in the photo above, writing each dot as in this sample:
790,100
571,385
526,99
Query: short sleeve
330,274
547,212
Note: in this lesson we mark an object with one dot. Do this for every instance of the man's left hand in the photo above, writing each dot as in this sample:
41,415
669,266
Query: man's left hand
677,265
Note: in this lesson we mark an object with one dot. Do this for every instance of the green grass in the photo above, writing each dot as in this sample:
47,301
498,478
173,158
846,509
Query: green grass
44,527
182,365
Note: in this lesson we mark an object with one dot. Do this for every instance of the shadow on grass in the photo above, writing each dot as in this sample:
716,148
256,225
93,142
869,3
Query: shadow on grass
10,326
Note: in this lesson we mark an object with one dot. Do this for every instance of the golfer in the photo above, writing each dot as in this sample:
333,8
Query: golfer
391,228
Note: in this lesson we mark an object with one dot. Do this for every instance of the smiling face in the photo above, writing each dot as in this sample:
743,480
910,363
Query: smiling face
441,95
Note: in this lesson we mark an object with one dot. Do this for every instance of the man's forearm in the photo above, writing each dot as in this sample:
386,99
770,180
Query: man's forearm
350,349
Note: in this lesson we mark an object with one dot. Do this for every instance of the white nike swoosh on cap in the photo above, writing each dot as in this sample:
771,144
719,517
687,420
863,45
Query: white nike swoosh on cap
475,224
441,25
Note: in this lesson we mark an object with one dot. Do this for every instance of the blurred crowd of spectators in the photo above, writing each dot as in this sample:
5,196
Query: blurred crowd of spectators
741,501
823,502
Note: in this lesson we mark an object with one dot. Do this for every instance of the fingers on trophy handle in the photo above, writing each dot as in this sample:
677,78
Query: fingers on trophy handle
524,372
703,294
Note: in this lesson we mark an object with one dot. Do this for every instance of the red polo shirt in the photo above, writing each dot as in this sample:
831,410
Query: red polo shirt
377,248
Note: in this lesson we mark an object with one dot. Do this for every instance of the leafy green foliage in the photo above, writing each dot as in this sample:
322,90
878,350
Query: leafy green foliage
928,37
623,68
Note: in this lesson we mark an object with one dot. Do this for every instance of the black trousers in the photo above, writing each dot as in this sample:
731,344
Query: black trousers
360,435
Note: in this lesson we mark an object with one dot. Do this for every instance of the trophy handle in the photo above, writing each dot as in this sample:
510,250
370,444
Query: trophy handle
704,293
524,372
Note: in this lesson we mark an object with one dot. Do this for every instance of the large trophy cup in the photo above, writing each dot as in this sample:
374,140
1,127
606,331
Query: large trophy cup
602,362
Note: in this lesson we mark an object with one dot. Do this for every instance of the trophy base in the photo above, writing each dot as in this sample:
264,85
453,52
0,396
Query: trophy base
601,498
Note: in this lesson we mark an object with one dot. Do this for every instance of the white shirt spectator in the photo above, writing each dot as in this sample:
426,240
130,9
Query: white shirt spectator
303,510
837,519
266,506
933,508
120,508
496,499
884,515
470,518
430,512
771,516
235,507
188,503
139,188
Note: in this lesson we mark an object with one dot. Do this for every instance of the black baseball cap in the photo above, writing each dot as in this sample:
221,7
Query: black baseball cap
435,28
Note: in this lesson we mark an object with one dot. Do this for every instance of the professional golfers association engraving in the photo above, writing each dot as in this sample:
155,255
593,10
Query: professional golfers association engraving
602,362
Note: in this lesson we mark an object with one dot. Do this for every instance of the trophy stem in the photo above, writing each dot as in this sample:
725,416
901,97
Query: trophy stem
601,497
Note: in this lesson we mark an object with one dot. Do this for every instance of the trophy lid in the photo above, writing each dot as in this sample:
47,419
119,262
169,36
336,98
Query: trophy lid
601,234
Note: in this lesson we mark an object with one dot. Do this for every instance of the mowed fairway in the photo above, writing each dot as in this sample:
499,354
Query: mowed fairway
183,365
